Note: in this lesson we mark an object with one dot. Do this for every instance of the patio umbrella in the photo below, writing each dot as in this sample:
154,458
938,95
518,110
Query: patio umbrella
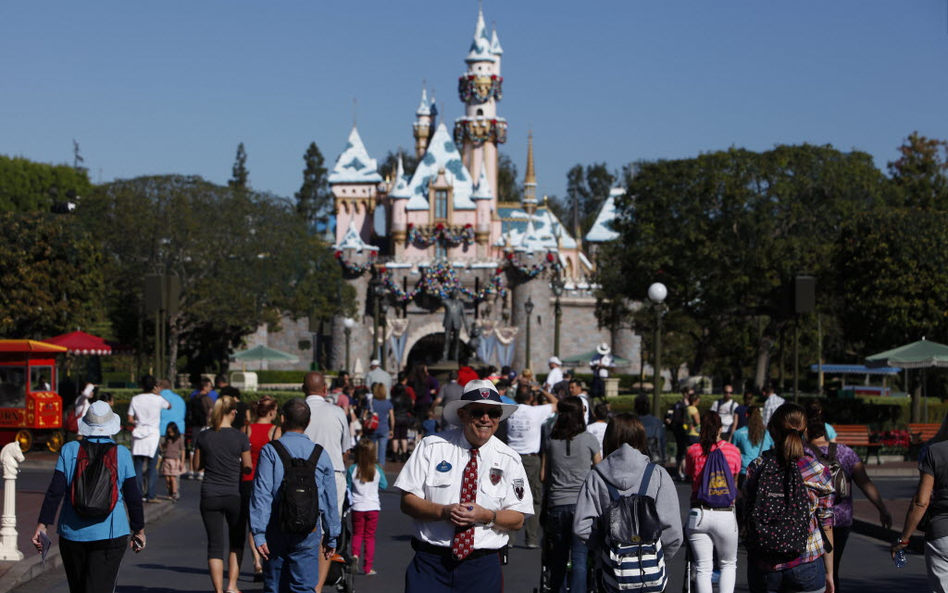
585,357
79,342
263,354
917,355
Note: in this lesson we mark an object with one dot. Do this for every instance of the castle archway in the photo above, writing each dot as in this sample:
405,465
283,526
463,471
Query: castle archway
426,344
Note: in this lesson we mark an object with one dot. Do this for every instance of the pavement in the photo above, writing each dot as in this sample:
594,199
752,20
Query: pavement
896,481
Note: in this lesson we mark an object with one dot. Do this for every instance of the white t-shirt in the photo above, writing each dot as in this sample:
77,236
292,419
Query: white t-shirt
726,411
555,376
329,427
524,427
146,409
435,472
598,430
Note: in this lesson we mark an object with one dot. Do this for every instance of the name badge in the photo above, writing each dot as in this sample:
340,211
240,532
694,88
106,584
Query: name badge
443,467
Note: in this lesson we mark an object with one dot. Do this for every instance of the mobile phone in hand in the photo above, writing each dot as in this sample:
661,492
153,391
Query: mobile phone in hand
138,543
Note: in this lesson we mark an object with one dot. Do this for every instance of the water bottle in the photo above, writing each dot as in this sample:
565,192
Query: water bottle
899,559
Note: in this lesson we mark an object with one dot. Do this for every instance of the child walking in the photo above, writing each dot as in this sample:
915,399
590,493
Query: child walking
172,459
364,479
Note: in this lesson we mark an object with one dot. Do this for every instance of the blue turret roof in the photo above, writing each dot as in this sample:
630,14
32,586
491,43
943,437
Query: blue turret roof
537,232
482,192
602,229
495,47
424,108
355,165
353,240
481,45
400,190
442,154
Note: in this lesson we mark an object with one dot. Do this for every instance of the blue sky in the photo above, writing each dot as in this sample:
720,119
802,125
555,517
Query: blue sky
173,86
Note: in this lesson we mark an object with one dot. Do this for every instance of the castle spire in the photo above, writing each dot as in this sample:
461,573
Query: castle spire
530,180
424,123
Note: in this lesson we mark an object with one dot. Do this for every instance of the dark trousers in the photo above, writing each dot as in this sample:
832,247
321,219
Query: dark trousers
433,573
92,567
840,537
148,489
565,547
531,525
222,513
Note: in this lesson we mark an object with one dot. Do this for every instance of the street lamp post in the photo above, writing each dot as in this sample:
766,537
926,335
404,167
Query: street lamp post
657,293
557,286
347,324
528,308
378,293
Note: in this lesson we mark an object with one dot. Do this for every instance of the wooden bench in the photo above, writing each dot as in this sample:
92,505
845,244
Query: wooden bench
919,432
856,435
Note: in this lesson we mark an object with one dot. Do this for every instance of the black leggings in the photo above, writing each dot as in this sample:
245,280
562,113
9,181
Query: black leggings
92,567
218,511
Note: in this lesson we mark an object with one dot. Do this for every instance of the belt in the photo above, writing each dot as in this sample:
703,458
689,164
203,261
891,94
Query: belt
445,552
707,508
528,454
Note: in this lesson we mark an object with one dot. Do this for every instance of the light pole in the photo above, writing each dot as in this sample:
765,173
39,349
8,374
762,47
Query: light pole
378,292
657,293
528,308
347,324
557,285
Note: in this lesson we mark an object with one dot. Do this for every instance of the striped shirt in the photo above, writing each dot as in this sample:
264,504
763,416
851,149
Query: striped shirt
819,487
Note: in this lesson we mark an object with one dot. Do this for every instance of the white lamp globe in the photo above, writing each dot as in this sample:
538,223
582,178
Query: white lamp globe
349,322
657,292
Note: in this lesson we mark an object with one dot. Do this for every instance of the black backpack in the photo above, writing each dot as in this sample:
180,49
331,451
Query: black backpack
778,523
679,422
94,491
840,479
197,415
298,499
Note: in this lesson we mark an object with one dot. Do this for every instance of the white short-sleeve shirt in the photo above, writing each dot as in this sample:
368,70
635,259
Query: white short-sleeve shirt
524,427
435,472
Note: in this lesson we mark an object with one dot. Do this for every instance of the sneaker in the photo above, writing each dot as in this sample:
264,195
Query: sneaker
200,476
371,573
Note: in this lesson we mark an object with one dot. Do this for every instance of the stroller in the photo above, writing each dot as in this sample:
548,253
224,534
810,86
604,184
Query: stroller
343,568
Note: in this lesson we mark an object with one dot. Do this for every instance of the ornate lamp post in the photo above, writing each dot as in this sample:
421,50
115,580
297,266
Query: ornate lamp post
528,309
657,293
557,285
378,293
347,324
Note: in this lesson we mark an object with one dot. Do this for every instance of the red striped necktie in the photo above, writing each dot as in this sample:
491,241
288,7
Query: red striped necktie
463,543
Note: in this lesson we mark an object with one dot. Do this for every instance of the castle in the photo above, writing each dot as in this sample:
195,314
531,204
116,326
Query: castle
406,242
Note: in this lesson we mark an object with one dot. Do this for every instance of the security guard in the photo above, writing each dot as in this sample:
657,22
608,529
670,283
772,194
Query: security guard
465,490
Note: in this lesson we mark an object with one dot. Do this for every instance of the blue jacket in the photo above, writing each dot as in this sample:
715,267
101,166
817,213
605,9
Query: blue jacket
175,414
266,485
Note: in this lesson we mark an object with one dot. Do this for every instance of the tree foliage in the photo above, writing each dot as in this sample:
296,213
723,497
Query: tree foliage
920,175
725,230
390,164
27,186
313,200
239,175
50,276
586,189
243,258
508,186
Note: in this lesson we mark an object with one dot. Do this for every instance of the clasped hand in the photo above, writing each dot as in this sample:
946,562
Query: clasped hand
464,514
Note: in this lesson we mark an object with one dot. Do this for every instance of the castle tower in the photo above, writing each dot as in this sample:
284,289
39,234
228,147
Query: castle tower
480,130
530,181
354,182
423,125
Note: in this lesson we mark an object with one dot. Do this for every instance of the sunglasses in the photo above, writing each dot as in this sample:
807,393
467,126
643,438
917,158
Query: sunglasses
492,412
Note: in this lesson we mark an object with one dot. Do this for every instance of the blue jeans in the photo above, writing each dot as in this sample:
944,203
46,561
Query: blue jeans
152,462
805,578
381,442
293,565
562,543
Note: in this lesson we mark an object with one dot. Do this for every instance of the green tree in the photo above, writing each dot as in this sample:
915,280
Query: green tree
27,186
508,187
726,230
239,175
893,278
586,189
313,200
390,164
920,175
50,276
264,266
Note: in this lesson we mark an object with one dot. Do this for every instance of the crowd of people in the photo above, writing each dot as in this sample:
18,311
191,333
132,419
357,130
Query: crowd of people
480,465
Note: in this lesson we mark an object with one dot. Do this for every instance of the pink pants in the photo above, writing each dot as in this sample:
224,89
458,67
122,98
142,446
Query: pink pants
364,524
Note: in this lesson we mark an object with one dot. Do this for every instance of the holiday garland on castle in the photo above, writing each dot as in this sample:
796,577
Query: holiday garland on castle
441,234
357,269
473,91
440,280
532,271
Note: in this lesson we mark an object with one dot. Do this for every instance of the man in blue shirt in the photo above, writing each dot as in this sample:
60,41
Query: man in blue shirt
292,559
176,412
